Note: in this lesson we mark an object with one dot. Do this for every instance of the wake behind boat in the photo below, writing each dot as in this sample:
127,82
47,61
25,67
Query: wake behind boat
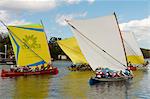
31,51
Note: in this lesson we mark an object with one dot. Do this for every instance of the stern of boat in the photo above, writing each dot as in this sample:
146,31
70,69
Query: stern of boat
55,70
3,73
92,81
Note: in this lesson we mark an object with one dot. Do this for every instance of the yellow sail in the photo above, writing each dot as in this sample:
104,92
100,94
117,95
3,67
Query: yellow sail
133,59
29,44
71,48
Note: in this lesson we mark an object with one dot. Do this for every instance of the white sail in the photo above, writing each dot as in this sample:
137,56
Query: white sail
134,54
96,35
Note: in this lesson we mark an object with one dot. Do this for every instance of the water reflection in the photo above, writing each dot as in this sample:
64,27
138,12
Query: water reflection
112,90
6,88
28,87
132,89
73,85
141,86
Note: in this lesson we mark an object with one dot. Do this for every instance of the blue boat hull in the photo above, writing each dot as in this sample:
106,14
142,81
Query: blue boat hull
94,80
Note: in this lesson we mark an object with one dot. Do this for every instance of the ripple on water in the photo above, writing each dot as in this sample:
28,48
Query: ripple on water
73,85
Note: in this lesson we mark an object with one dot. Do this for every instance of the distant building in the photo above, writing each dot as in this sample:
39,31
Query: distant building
62,57
146,52
2,55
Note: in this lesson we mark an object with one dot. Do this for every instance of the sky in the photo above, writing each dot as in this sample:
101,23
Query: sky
133,15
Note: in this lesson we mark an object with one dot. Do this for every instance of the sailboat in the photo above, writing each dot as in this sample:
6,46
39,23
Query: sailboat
72,50
101,43
134,55
30,48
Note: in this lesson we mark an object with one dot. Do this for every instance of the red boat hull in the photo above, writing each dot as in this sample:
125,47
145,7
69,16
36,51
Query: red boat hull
132,68
5,73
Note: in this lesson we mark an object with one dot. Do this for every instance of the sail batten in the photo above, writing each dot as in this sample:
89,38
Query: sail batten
32,47
104,33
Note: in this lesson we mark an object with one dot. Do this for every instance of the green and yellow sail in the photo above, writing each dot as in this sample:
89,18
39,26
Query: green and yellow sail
29,44
71,48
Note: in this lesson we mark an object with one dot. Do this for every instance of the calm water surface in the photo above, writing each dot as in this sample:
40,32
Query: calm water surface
73,85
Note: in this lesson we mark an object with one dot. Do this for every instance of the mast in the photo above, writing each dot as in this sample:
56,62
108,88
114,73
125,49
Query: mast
121,39
21,41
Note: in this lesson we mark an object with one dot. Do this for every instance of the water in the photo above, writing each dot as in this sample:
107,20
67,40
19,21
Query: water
73,85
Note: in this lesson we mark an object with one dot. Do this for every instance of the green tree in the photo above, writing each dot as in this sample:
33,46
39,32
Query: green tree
4,40
55,50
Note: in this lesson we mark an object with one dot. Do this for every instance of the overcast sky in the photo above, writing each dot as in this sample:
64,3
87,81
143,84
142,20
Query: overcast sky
133,15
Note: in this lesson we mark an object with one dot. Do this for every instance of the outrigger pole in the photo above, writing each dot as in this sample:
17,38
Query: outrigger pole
121,40
93,43
21,41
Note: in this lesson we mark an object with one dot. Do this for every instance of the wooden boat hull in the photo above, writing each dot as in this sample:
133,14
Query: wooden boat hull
76,69
94,80
142,68
138,68
5,73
